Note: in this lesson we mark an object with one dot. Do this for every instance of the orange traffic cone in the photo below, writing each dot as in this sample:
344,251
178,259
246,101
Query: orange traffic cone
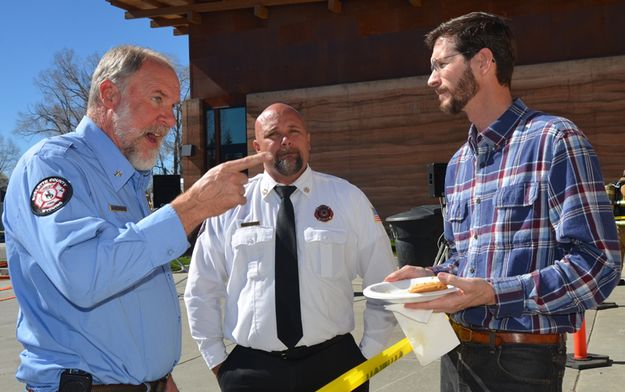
581,359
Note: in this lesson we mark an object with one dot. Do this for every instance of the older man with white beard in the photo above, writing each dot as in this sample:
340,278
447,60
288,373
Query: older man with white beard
89,264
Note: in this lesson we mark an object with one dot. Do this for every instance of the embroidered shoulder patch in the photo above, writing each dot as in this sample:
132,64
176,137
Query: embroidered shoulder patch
50,195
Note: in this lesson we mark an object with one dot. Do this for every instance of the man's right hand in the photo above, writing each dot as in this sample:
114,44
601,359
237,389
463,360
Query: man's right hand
219,189
408,272
216,370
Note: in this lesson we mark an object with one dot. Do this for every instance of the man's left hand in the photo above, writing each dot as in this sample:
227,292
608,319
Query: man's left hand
171,385
472,292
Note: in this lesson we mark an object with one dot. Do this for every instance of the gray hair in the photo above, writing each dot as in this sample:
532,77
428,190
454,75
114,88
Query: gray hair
118,64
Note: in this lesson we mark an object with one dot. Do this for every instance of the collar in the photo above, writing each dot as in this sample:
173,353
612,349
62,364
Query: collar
498,133
116,166
304,183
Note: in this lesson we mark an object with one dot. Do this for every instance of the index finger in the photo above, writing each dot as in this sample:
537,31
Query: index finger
247,162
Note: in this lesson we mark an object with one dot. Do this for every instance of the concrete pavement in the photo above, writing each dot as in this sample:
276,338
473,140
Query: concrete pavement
605,330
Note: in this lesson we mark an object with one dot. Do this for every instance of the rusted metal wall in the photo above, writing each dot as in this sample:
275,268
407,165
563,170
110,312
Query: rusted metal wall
235,53
381,135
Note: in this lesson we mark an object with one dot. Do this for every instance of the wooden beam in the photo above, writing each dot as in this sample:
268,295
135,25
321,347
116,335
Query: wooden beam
155,3
194,17
119,4
415,3
168,22
334,6
260,11
214,6
181,30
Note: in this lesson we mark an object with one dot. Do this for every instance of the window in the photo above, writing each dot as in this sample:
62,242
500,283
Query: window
226,135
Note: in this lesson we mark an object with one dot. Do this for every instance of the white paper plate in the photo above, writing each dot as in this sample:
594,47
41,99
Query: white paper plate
397,292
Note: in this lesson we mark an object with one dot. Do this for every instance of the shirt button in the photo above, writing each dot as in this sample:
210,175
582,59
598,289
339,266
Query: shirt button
475,236
471,270
170,252
478,201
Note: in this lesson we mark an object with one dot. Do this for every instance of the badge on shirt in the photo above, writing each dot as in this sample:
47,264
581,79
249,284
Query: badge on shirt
116,208
376,216
324,213
50,195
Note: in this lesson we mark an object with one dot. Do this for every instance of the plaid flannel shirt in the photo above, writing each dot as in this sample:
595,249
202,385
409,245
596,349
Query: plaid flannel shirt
527,210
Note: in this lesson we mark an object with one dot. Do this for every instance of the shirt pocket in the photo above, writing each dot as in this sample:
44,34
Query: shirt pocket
516,211
457,214
326,249
252,247
517,195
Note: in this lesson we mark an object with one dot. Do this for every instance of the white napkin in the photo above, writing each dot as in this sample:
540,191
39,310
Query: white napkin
429,334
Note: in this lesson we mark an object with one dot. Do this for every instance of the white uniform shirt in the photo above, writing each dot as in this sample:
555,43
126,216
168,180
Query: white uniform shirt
234,259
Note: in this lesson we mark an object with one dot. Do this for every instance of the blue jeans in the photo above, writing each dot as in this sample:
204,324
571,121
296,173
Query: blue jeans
509,367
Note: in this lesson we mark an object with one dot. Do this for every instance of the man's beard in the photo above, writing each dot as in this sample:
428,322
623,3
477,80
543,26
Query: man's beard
462,93
288,167
131,138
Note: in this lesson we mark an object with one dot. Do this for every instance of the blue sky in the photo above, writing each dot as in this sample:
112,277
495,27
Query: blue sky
32,31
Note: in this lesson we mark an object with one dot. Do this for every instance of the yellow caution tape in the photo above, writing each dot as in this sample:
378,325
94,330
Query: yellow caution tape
352,378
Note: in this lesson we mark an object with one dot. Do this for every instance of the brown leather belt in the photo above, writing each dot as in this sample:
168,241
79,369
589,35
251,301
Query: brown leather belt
152,386
496,338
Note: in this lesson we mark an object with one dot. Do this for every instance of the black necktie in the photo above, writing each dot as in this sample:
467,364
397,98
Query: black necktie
288,313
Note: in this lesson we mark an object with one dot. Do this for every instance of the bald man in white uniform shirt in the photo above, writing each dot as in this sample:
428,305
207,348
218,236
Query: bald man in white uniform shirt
338,236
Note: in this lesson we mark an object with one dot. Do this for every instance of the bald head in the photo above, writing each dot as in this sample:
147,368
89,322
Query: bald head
272,113
280,129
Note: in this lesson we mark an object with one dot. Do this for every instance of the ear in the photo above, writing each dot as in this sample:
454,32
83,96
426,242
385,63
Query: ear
486,60
256,146
109,94
308,137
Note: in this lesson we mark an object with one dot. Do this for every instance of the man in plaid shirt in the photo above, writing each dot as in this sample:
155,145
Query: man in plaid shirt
532,237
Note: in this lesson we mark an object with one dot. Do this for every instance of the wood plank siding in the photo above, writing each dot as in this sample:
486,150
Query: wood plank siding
381,135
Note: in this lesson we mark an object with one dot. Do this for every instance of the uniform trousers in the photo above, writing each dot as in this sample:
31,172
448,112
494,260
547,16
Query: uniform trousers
247,369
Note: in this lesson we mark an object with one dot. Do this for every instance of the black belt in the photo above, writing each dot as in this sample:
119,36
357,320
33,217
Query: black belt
300,352
152,386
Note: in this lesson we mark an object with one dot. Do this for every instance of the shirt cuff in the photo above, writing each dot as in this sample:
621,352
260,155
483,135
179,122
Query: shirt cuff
213,354
164,234
441,268
369,347
509,297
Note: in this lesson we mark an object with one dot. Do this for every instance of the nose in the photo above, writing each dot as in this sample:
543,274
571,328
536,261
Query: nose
286,141
434,80
168,117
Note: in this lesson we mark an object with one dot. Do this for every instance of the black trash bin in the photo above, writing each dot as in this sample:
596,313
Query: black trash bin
416,234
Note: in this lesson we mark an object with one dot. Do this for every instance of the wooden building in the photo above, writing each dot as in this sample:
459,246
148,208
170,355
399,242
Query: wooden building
357,70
